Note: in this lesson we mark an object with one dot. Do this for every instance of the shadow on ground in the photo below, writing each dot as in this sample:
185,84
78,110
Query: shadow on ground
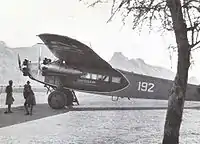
18,115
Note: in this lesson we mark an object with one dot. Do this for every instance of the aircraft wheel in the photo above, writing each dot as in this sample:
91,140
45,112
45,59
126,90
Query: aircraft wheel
69,97
57,100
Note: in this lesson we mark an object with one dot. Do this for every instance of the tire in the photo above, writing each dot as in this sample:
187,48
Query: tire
69,97
57,100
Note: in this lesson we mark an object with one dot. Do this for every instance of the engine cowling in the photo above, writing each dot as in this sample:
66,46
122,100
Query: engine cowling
61,70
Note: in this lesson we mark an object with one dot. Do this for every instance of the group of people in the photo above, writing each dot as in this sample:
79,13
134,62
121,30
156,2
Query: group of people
28,96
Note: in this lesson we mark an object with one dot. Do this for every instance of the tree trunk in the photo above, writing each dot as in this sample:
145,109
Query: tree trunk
178,91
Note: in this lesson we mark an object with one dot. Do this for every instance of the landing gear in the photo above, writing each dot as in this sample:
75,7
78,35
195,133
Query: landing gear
69,97
60,98
57,100
75,99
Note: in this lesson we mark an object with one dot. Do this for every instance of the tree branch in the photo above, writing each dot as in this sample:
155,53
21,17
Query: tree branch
188,3
191,28
146,11
195,44
113,13
94,3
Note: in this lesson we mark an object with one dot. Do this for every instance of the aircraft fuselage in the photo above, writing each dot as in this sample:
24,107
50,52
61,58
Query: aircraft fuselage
148,87
81,78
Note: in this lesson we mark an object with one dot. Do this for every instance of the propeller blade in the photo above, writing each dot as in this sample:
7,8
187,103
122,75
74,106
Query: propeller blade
39,60
19,62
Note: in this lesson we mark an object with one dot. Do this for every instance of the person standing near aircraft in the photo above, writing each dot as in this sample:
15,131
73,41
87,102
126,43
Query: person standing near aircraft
29,98
9,96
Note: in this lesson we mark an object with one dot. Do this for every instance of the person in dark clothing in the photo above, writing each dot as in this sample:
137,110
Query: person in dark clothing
29,98
9,96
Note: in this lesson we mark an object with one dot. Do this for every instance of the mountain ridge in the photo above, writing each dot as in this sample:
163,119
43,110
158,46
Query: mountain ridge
138,65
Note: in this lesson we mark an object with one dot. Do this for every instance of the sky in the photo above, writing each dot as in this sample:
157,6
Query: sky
22,20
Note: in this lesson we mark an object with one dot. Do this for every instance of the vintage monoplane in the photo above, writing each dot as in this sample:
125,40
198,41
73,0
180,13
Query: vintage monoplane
79,68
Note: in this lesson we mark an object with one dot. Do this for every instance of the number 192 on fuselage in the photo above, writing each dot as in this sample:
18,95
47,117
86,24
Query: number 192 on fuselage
145,86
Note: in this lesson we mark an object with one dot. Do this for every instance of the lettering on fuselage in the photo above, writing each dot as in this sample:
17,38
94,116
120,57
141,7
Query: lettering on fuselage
86,81
145,86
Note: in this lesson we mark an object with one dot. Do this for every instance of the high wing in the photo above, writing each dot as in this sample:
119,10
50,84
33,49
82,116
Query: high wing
73,52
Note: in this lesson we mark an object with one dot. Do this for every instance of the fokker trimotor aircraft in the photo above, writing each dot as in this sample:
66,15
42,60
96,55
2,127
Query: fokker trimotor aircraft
79,68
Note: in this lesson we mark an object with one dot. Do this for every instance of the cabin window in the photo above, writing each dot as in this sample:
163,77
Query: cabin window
99,77
102,78
105,78
87,76
94,76
116,79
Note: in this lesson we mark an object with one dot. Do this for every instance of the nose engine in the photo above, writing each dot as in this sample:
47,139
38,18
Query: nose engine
58,68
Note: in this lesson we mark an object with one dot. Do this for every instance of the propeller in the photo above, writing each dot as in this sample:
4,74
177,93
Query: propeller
39,60
19,63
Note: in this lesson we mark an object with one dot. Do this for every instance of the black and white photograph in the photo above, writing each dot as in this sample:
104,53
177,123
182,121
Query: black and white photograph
99,72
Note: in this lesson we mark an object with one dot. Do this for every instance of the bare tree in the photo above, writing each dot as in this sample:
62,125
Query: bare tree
181,17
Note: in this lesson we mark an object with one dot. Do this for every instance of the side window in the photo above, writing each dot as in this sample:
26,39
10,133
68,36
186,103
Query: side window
94,76
103,78
116,79
99,77
106,78
87,76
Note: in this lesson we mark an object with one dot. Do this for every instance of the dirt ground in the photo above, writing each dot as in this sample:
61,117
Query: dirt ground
96,120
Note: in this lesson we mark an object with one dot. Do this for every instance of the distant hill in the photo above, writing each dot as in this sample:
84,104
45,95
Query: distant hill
9,63
119,61
32,53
